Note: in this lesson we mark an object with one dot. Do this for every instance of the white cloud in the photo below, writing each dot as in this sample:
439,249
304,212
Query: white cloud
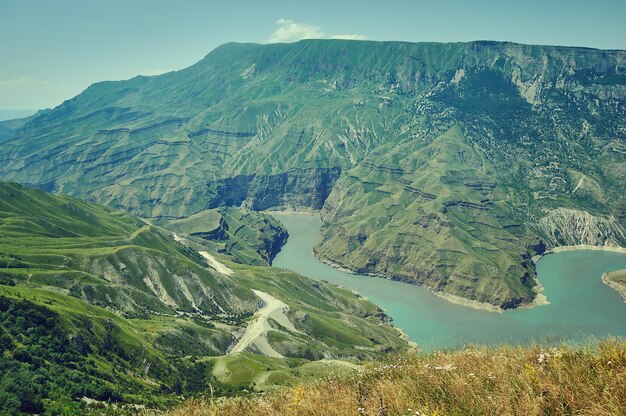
292,31
350,37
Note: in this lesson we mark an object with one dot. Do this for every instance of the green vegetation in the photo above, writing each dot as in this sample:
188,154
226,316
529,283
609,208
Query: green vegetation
96,305
108,258
448,165
37,361
248,237
56,351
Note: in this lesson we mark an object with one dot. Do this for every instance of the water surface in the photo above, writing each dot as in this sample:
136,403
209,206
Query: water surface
581,306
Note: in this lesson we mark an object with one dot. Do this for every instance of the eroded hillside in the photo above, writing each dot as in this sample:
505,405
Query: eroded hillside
96,303
448,165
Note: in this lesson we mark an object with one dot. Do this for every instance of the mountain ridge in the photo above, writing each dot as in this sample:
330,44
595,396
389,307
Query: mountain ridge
455,154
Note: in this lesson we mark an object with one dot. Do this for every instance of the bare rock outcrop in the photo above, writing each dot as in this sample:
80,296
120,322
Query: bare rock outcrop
568,227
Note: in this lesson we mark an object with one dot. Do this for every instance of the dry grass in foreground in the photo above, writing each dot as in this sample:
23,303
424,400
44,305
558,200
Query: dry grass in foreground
486,381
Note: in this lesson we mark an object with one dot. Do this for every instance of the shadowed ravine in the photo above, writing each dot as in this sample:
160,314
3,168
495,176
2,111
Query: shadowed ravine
580,306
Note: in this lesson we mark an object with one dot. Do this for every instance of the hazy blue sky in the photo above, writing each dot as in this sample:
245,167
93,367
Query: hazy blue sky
50,50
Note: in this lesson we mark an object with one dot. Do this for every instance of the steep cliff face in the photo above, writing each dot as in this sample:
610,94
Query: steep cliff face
295,189
441,164
566,227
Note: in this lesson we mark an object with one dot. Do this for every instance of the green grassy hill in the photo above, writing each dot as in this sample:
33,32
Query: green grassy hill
96,303
448,165
248,237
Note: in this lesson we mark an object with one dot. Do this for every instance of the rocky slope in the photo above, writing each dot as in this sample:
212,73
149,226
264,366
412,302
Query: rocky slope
448,165
567,227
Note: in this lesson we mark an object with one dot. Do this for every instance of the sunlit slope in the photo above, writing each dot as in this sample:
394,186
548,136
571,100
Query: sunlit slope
506,149
110,259
128,310
107,258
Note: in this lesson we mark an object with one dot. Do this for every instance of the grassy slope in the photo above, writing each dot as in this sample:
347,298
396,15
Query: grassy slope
499,381
153,309
461,232
249,237
108,258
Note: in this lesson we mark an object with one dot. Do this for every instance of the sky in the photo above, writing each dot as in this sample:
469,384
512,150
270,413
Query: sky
51,50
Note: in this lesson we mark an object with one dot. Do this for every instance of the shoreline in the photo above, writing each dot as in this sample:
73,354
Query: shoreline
540,298
474,304
336,266
290,212
614,249
469,303
615,286
404,336
562,249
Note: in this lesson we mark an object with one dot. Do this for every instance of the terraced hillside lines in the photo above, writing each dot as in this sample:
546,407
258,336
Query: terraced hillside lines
138,315
439,225
108,258
449,165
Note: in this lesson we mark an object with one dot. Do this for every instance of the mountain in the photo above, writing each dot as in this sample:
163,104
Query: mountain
96,303
448,165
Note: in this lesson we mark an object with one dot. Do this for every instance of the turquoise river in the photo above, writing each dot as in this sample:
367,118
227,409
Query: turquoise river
581,306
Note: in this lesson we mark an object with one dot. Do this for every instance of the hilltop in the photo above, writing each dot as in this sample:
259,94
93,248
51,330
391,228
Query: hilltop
448,165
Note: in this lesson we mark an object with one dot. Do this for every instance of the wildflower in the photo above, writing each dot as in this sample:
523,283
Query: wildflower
557,353
447,367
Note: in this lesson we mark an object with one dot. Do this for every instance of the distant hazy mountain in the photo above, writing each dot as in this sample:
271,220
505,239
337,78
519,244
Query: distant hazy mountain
13,114
448,165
